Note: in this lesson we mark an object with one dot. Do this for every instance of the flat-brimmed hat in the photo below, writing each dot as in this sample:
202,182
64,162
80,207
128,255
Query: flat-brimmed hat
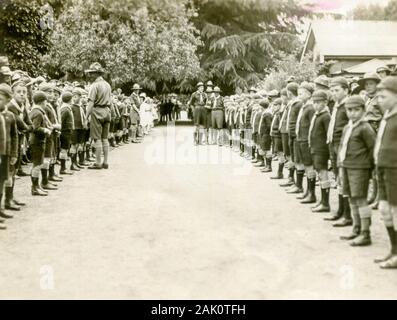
383,68
369,76
5,70
273,93
136,87
95,67
217,89
200,84
252,89
388,83
322,81
209,83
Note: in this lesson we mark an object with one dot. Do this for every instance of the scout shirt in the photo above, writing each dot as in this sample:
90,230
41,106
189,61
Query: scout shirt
292,116
318,132
198,99
2,136
303,121
374,113
136,100
134,114
217,103
357,145
79,117
248,114
21,115
264,128
39,123
275,125
67,120
256,119
11,134
338,121
100,93
386,147
283,119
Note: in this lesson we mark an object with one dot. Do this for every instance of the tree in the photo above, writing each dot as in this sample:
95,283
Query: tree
243,38
150,42
25,29
375,12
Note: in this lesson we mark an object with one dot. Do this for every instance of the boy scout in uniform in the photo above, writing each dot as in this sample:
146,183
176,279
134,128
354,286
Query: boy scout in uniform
67,128
197,102
10,154
40,132
259,160
373,115
339,92
318,146
292,116
209,131
275,133
285,137
217,115
356,159
302,145
385,155
134,120
80,125
99,101
264,138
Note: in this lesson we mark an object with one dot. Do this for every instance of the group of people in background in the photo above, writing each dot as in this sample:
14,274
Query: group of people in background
337,132
59,128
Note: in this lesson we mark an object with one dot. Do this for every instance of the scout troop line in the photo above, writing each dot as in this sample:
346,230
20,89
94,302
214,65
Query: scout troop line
312,128
51,123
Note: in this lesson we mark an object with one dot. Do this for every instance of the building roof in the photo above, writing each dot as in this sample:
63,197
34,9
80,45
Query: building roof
352,38
367,66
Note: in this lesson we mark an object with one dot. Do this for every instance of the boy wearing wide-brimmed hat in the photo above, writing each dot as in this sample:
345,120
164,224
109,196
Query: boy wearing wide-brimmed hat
197,102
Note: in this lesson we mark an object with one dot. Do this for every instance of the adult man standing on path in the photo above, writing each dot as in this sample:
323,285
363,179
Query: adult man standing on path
98,108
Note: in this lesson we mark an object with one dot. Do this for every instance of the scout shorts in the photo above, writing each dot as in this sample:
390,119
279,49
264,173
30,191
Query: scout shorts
285,143
208,119
37,154
292,148
217,119
100,123
387,185
50,146
277,144
200,116
320,161
303,153
355,182
78,136
66,139
4,168
265,142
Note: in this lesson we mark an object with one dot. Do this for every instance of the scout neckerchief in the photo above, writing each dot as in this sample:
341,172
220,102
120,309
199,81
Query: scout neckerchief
47,122
266,111
291,103
215,102
201,101
68,108
381,131
298,120
345,141
284,114
313,121
330,133
255,115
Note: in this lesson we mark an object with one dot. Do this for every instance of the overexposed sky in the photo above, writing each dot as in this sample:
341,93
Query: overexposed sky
341,6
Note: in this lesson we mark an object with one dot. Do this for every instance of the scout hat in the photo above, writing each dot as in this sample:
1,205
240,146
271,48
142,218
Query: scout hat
319,95
383,68
252,89
307,86
322,81
39,96
273,94
209,83
5,70
355,101
388,83
369,76
200,84
217,89
95,67
5,89
291,79
339,81
136,87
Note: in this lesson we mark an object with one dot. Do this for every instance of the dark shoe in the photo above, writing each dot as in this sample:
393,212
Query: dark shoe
343,223
364,239
5,215
9,205
321,208
105,166
277,177
49,186
354,234
95,167
266,169
289,183
311,198
18,203
38,192
339,213
55,178
65,172
22,173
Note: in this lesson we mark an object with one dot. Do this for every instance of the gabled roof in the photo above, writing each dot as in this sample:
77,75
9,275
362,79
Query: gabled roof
347,38
367,66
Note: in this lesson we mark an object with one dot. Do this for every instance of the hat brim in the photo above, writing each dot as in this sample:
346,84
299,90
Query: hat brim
94,71
361,82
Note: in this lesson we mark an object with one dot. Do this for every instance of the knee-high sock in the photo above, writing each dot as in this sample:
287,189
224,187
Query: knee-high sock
105,146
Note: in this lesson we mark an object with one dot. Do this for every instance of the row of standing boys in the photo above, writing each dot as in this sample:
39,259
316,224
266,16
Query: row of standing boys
50,124
333,133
